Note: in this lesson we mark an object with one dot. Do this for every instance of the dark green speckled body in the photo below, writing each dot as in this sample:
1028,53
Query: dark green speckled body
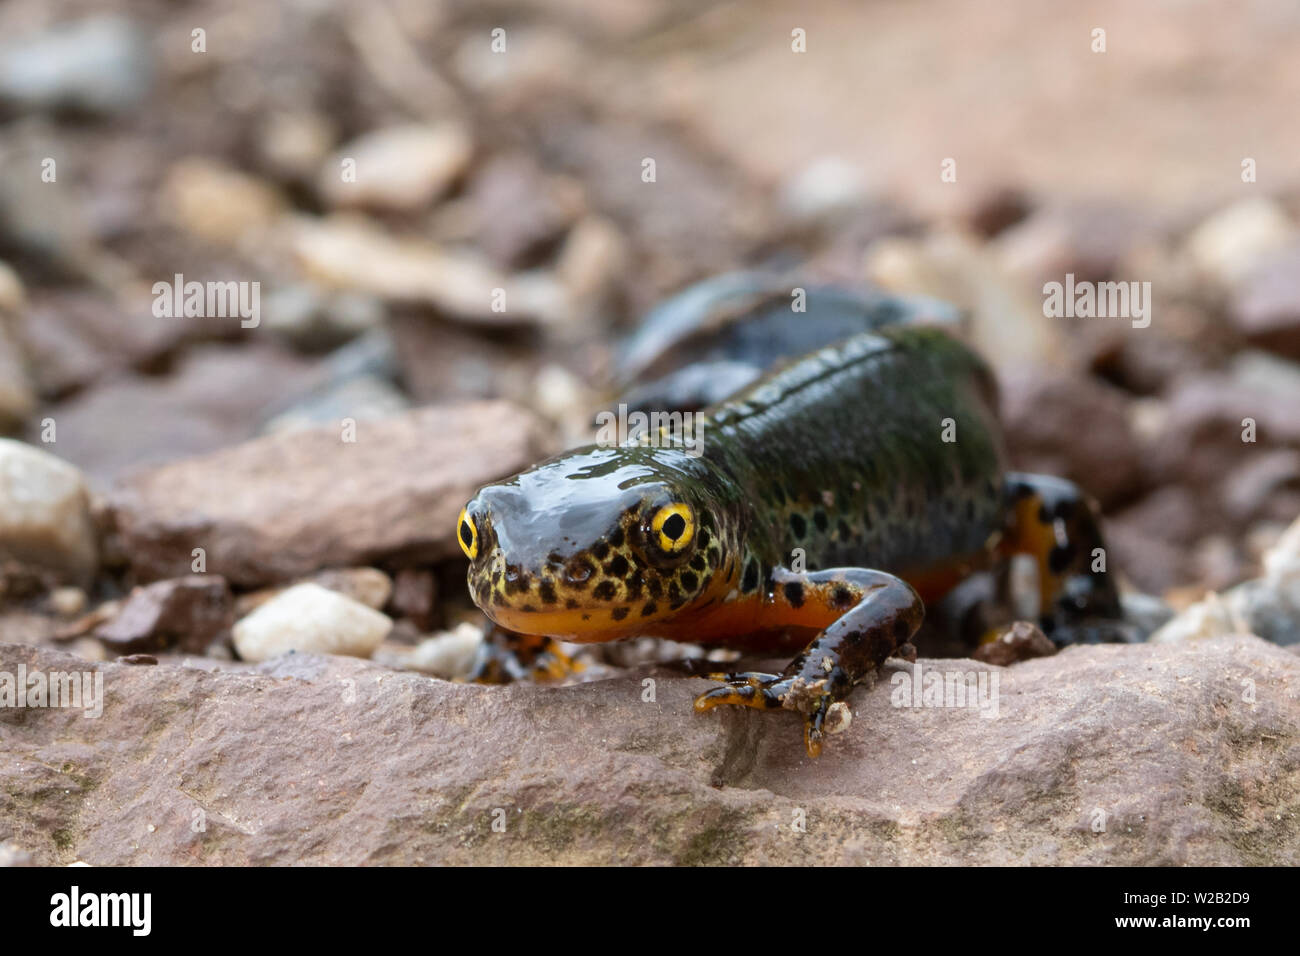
843,454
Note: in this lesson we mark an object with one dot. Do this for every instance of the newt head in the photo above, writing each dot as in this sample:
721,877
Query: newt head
601,543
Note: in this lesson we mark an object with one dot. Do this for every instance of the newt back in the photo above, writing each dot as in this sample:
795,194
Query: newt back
883,451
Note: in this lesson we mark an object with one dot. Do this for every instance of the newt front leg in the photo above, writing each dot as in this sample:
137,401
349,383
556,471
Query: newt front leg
863,618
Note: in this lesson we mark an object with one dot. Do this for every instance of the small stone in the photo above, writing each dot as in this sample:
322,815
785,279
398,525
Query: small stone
86,623
17,398
1006,317
75,337
146,660
1270,605
88,649
1146,612
1207,416
1215,562
1150,540
1230,244
45,518
1040,406
398,169
294,144
310,619
838,718
592,261
1266,306
1264,480
997,210
185,614
1085,239
561,395
825,192
1208,618
449,655
98,65
214,202
1022,641
315,321
517,213
12,294
13,855
349,253
67,602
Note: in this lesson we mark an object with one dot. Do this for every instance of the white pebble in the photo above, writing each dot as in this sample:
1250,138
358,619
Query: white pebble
44,513
310,619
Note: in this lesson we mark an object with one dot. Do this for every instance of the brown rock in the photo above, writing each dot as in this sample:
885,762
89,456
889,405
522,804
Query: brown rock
415,596
186,614
1085,239
1151,539
285,505
1020,642
1155,742
440,362
1201,438
1266,485
1145,364
218,395
1073,427
519,214
997,209
1266,309
75,338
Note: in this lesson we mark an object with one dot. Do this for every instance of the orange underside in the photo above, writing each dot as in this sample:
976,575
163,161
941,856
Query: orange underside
745,622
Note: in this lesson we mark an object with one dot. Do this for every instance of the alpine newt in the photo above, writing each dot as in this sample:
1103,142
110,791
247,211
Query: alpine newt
876,465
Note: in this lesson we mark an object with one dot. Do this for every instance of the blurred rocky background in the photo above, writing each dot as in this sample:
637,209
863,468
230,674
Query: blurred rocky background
501,146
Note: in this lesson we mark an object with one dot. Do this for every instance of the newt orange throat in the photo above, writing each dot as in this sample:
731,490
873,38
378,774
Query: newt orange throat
879,457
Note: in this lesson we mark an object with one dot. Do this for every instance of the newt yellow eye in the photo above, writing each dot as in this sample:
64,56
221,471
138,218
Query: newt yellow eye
467,535
673,527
